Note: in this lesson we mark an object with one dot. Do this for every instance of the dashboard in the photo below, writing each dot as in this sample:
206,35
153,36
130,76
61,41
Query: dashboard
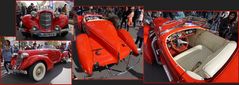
179,35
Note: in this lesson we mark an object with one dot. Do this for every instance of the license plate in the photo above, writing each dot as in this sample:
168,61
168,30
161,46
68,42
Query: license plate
47,34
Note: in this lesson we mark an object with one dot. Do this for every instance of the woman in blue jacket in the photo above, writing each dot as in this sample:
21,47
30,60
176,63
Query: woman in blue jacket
7,51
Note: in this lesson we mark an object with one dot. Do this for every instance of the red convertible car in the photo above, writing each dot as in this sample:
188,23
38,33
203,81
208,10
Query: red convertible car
36,62
190,53
100,44
44,23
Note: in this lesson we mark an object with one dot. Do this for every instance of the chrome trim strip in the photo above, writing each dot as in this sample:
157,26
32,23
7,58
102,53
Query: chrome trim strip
154,50
167,72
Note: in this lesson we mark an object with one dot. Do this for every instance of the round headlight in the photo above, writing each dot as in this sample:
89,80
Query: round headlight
33,13
57,14
57,28
23,55
34,28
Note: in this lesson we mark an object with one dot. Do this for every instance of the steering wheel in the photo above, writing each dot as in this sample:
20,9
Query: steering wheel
179,44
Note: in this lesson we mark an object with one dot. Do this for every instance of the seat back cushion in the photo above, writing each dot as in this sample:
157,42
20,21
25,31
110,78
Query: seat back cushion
207,39
218,59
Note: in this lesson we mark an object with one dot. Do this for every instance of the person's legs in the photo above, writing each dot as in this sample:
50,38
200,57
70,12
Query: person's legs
137,39
134,22
6,65
140,41
122,22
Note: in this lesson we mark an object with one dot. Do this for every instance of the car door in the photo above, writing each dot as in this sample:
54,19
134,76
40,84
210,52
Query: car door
56,55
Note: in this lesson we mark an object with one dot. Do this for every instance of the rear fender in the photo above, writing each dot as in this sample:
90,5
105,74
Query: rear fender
85,55
128,39
30,60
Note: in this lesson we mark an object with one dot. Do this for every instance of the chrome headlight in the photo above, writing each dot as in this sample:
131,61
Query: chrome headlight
57,28
14,54
23,55
57,14
33,13
34,28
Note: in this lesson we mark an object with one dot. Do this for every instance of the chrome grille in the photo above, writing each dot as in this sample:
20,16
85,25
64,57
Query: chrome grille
45,20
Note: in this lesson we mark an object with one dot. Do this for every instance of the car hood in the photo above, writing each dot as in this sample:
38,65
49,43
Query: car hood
33,52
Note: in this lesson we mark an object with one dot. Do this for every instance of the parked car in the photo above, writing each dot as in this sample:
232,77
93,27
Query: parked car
36,62
189,52
44,23
100,44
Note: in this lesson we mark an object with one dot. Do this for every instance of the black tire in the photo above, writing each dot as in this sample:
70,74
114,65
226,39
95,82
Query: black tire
25,34
63,34
32,71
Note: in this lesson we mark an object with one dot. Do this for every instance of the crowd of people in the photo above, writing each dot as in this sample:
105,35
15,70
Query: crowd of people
8,50
223,23
121,17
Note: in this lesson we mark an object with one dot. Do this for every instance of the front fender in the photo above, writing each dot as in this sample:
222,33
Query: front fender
30,60
64,54
28,21
128,39
62,21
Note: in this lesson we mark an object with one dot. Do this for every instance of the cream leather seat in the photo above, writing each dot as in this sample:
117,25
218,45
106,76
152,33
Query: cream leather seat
207,56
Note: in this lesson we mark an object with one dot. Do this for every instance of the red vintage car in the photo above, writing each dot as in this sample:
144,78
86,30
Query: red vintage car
44,23
100,44
36,62
189,52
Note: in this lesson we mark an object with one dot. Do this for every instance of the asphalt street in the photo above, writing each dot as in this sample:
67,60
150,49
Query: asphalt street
135,73
60,74
154,73
69,36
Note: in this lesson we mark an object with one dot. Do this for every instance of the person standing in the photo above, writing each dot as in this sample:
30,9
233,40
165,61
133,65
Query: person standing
141,16
126,12
130,17
140,35
137,13
15,48
64,9
30,8
23,9
18,15
226,26
7,52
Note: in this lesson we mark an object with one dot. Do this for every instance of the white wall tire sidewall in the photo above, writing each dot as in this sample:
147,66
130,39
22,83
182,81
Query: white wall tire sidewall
41,76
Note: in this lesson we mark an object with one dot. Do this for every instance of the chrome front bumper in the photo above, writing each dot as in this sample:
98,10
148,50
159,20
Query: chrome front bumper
45,34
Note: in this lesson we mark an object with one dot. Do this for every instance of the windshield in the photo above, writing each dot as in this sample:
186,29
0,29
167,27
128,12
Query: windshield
93,18
48,47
